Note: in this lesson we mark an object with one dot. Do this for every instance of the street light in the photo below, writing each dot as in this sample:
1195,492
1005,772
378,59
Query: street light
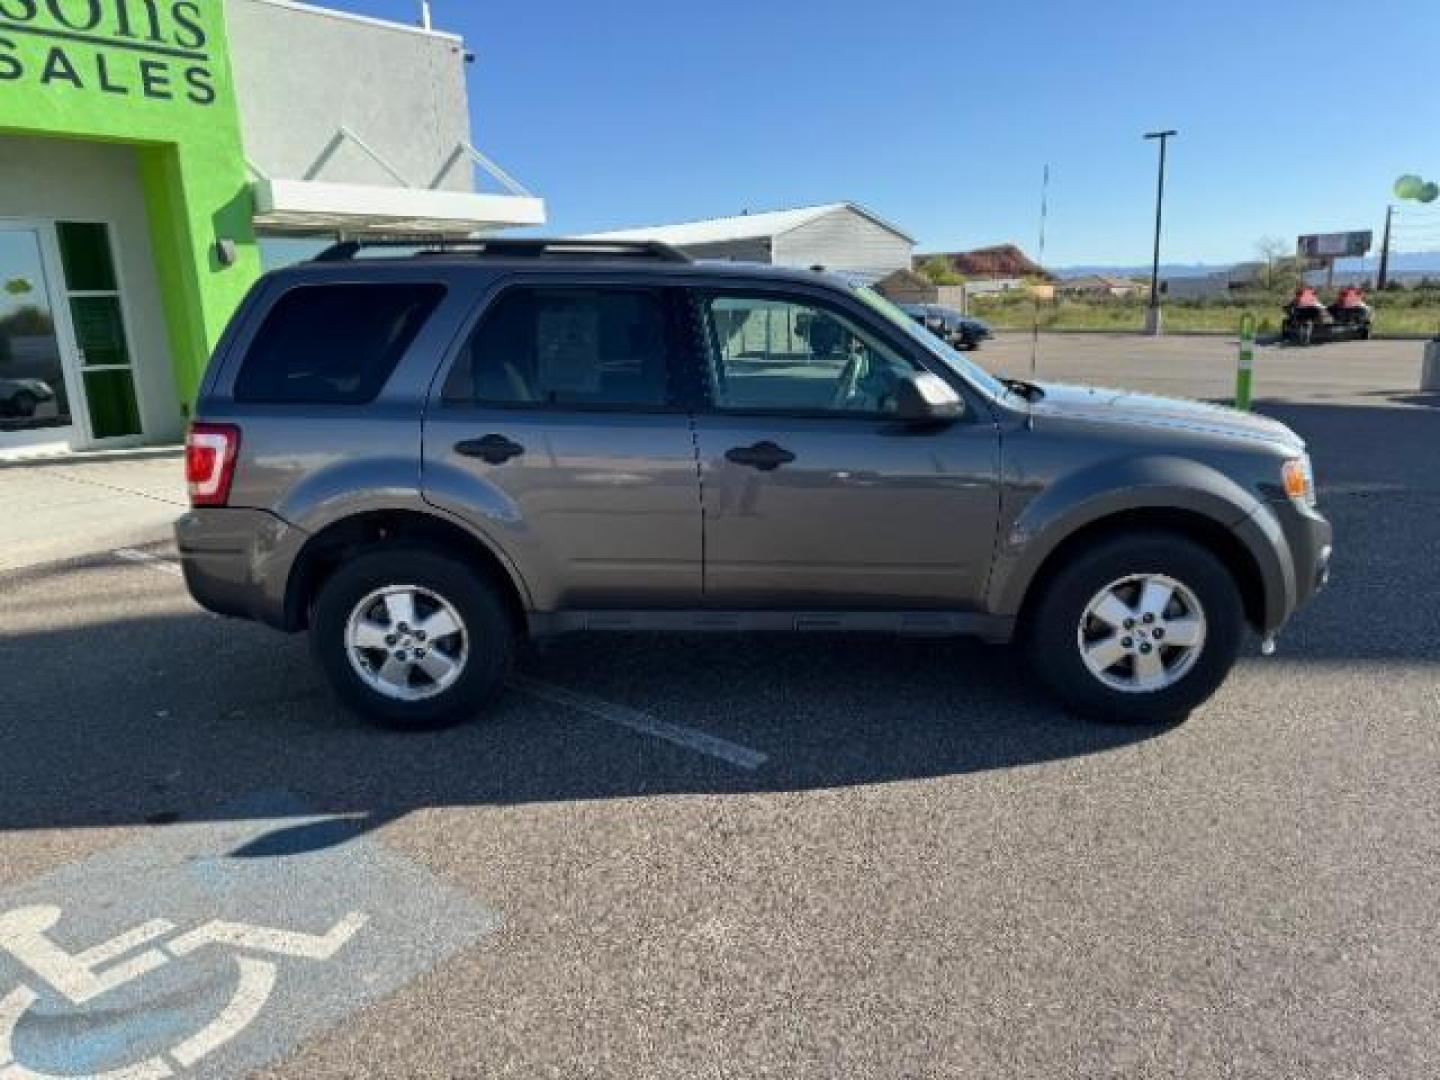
1152,313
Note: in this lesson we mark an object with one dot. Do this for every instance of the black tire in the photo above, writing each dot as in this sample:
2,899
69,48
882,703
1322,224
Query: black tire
488,633
24,403
1053,624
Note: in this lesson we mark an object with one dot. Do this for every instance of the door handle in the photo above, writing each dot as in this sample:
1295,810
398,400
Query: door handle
492,449
765,456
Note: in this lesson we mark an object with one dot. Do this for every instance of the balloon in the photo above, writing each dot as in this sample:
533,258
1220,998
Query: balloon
1429,192
1409,186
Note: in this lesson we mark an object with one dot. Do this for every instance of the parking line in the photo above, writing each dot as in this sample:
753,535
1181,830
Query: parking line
741,757
145,558
691,738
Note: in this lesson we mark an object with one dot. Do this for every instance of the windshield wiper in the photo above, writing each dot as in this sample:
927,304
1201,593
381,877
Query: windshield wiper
1027,390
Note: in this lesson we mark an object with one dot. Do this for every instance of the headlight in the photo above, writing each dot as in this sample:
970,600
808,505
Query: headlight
1299,478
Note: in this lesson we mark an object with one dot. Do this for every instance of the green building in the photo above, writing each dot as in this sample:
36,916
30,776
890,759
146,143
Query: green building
148,148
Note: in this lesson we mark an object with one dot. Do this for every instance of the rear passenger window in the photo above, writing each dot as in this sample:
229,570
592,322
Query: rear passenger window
333,344
566,347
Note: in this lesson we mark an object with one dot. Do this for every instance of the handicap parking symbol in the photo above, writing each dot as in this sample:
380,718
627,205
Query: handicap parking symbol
83,976
215,948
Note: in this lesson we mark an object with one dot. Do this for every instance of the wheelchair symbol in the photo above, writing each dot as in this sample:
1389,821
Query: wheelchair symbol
83,976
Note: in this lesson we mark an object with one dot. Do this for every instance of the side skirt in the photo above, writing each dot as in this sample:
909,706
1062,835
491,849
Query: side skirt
992,628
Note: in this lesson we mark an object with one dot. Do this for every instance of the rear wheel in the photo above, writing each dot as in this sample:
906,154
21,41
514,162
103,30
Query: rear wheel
1139,628
412,638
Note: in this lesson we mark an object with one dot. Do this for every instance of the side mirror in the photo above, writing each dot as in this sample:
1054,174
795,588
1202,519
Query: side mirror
926,397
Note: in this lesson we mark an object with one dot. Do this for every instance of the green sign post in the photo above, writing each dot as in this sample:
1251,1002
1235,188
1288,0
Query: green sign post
1245,372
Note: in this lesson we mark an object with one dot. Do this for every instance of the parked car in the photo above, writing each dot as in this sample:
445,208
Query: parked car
21,397
957,330
421,459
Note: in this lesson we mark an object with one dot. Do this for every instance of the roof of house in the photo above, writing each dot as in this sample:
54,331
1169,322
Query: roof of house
741,226
1000,261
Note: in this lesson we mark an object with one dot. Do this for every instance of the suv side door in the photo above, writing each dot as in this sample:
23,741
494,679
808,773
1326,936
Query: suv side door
557,430
814,494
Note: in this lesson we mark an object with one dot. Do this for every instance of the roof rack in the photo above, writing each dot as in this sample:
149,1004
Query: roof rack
431,246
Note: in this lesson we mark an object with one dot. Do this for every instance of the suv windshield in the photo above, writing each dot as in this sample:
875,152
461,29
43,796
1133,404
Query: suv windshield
968,369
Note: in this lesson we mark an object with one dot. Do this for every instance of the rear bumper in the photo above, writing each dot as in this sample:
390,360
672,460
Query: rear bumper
237,562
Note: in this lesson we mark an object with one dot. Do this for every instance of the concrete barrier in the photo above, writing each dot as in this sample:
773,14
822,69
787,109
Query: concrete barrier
1430,369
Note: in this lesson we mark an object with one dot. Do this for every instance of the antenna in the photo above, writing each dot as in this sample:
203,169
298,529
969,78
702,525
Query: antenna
1035,296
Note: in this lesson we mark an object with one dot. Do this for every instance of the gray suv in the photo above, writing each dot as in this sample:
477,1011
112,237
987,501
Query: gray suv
423,457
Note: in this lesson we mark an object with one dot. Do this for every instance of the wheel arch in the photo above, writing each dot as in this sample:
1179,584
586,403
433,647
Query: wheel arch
1223,541
1179,495
324,551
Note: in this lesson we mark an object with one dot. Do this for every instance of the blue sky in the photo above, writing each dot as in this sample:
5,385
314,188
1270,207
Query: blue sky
941,115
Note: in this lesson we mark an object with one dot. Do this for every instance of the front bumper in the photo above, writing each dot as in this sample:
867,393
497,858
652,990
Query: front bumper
1310,538
237,561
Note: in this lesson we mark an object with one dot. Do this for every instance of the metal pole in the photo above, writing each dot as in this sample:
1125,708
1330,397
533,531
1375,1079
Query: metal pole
1152,314
1384,273
1035,296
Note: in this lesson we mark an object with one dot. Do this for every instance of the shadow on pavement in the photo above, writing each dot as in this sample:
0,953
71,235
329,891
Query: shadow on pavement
169,717
165,718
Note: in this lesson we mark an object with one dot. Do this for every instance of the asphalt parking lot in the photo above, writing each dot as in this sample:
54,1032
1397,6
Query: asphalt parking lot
710,857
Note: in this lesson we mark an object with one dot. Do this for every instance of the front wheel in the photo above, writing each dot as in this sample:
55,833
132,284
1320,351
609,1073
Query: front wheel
1140,628
412,638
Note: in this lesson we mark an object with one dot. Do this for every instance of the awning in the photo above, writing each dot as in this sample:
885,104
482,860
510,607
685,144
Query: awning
311,206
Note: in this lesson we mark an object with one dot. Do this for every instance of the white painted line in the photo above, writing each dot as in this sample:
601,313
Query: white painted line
145,558
124,943
257,980
268,939
690,738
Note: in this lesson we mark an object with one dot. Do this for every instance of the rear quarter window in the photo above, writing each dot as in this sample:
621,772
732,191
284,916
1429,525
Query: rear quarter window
333,344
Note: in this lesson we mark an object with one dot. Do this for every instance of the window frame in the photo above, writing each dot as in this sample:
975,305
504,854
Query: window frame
260,319
699,295
678,393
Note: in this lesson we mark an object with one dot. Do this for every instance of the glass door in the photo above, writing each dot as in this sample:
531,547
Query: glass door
98,320
35,400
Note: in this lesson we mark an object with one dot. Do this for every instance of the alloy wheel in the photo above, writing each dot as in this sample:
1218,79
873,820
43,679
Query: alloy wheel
1142,633
406,642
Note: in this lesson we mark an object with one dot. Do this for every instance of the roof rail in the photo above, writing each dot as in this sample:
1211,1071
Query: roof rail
346,250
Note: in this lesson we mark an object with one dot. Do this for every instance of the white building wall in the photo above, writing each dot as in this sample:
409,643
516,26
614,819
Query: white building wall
301,73
68,180
844,240
756,250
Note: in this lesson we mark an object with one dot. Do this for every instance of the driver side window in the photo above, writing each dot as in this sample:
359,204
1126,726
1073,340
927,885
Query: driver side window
772,355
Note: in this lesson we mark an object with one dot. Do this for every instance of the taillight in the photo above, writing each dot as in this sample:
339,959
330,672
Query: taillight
210,453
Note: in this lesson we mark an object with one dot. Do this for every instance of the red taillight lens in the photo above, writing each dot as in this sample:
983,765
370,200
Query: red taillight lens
210,453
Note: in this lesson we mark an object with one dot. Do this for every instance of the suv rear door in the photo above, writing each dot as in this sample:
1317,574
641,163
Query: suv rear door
558,431
813,495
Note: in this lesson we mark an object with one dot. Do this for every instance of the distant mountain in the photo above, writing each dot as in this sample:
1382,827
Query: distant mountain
1167,270
1401,262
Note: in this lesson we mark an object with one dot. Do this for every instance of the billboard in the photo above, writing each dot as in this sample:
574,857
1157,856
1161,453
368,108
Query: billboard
1340,245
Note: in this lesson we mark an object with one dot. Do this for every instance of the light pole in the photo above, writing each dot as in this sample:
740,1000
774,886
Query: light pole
1152,313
